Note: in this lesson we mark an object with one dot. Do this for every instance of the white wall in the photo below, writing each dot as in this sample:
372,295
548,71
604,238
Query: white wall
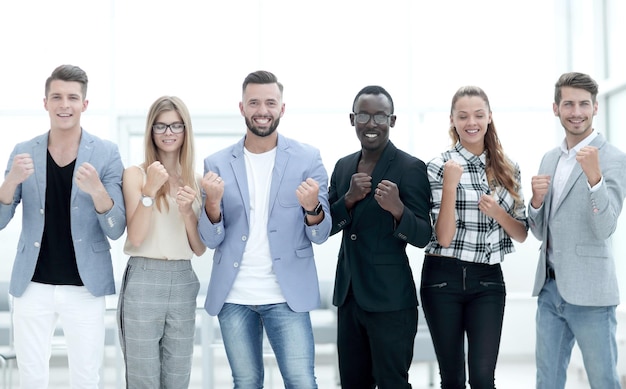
323,52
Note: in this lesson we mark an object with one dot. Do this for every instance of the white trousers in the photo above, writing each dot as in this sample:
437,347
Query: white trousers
35,316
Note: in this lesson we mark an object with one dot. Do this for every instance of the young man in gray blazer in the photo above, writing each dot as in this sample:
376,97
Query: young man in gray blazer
70,185
577,199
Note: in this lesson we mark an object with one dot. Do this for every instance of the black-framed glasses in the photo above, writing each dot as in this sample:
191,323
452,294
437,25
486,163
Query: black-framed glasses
364,118
176,128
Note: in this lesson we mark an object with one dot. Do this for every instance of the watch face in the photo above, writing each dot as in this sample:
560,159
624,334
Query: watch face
147,201
316,211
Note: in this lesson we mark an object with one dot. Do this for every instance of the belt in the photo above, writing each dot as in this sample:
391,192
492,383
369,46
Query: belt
550,273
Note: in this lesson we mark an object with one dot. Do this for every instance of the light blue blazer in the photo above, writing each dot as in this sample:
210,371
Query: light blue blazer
580,229
89,229
289,236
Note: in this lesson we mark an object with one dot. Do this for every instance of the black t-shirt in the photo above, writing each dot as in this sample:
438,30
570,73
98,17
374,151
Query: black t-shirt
56,264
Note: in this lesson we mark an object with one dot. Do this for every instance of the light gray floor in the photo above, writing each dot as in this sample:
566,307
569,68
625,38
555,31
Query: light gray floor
510,374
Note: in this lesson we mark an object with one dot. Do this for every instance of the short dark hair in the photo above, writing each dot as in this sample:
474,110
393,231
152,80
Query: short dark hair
575,80
68,73
373,90
261,77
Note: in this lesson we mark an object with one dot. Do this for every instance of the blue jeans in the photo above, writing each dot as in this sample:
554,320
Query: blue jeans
290,334
559,324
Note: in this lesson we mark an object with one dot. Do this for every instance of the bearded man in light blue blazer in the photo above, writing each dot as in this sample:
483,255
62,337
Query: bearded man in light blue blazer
266,202
69,184
577,199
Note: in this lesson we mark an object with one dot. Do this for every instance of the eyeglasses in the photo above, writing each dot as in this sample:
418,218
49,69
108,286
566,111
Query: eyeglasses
364,118
176,128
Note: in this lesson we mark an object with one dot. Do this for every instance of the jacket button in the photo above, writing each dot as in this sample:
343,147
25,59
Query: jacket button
236,264
353,237
36,244
244,238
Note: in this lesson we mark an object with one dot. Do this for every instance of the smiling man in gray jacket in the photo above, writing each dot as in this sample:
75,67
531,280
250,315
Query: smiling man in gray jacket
577,199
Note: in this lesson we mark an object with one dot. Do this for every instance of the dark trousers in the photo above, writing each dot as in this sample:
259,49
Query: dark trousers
375,348
461,299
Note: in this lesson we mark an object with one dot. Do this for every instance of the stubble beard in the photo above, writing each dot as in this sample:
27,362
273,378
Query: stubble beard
263,133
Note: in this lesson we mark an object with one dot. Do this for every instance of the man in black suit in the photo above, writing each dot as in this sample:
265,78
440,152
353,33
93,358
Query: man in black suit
380,198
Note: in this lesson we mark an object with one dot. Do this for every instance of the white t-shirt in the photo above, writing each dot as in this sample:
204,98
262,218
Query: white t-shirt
256,282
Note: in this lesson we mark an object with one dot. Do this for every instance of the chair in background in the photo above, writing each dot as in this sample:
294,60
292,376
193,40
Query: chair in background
423,349
7,353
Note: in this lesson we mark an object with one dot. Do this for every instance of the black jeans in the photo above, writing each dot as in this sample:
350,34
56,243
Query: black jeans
463,298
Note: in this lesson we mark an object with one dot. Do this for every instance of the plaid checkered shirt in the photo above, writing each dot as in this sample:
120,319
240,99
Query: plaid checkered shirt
478,237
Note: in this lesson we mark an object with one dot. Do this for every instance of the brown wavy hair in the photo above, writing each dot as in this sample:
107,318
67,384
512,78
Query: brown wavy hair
500,170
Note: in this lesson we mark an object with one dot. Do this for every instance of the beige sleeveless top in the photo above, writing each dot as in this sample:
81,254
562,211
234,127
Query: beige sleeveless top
167,237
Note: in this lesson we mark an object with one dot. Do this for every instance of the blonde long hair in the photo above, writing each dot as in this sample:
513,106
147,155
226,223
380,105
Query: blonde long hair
186,156
500,170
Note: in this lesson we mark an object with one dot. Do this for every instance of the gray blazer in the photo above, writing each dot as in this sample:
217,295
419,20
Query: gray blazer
89,229
580,230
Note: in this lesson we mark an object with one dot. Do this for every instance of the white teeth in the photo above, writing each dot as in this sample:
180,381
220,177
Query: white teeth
472,131
371,135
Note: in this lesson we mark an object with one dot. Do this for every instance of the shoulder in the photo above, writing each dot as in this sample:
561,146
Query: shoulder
226,153
133,174
295,147
42,138
97,141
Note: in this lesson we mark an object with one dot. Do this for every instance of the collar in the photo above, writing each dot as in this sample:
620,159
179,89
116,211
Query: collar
580,145
479,160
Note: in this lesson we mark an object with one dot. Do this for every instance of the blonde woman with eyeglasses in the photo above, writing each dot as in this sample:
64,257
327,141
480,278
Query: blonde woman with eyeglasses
157,304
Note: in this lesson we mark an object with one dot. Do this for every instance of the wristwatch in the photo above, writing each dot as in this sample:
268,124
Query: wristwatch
316,211
147,201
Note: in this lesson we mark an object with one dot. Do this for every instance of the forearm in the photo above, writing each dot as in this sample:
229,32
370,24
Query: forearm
191,227
445,227
7,191
102,201
513,227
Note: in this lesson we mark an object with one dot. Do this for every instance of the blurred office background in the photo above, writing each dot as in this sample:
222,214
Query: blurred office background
323,52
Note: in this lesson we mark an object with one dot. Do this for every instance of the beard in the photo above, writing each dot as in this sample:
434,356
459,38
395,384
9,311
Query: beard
262,133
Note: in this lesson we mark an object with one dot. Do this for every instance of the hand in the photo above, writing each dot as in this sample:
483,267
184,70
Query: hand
589,161
213,186
387,196
360,186
307,193
452,172
22,168
540,185
156,176
87,179
184,198
488,205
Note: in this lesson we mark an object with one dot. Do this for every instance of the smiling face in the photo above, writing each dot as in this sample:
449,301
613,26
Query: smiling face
372,135
576,111
262,108
470,117
65,104
168,141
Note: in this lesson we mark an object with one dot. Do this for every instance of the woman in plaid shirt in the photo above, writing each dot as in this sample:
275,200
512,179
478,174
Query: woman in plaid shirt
477,208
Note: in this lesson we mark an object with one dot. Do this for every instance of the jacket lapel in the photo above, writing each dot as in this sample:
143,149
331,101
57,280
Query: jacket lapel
238,164
85,150
377,176
40,158
280,164
577,171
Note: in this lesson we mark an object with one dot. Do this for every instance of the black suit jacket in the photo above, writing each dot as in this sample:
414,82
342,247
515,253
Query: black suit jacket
372,258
